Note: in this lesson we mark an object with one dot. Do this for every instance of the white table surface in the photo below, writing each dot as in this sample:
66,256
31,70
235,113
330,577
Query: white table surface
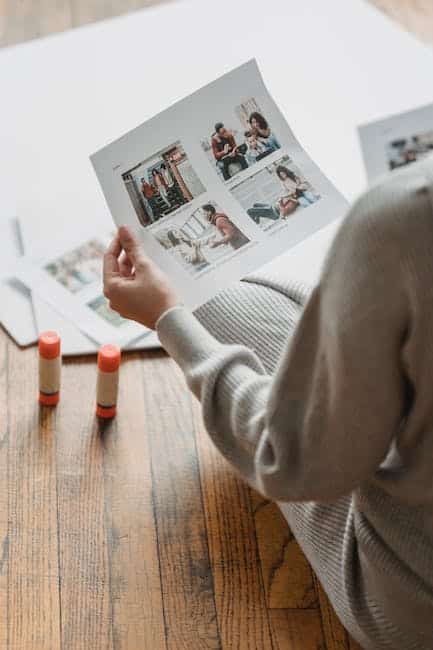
330,66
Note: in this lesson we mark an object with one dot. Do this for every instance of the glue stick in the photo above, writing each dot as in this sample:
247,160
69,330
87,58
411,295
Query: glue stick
50,362
108,381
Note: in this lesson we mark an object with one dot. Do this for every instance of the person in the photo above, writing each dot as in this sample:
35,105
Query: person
149,201
295,187
263,211
260,126
161,187
190,250
167,176
231,235
257,149
321,398
225,150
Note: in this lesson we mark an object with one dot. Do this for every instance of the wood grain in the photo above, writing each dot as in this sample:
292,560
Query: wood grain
186,576
33,557
287,576
84,564
22,20
4,487
239,593
136,598
414,15
297,630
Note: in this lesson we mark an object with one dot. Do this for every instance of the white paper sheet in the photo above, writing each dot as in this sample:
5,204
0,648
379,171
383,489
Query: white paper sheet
74,342
397,140
86,86
206,217
16,312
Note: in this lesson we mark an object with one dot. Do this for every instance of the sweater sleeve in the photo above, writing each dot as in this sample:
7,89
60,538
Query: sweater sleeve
324,421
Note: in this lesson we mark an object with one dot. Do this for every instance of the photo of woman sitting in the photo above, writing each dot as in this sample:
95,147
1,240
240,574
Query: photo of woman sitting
296,192
296,188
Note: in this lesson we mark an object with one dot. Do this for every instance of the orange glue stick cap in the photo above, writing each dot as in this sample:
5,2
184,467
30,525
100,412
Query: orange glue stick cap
49,345
109,358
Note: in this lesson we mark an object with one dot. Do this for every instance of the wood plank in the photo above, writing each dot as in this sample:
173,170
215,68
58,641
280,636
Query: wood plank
187,583
85,573
28,19
33,570
239,593
137,607
83,11
414,15
4,488
287,575
299,629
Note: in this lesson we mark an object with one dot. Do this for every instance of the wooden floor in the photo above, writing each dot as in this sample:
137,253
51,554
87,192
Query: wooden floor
21,20
136,536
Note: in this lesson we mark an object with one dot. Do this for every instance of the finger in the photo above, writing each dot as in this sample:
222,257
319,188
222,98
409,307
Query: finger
111,259
126,266
129,243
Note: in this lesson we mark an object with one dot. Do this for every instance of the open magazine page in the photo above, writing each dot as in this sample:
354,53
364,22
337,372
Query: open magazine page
217,185
70,280
397,141
49,316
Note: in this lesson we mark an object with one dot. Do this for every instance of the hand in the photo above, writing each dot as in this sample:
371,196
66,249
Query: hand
135,286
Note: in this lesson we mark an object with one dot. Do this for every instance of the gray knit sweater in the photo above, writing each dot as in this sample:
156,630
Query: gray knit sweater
349,410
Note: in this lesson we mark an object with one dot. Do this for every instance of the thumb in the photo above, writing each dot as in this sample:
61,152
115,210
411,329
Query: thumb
129,243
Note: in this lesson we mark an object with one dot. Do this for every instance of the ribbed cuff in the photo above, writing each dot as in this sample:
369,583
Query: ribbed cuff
183,337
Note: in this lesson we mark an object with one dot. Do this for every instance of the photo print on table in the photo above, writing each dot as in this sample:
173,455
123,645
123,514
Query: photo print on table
101,307
161,184
79,267
240,139
200,239
275,193
403,151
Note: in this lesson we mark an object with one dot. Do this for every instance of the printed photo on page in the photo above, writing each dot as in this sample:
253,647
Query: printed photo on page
71,281
217,185
397,141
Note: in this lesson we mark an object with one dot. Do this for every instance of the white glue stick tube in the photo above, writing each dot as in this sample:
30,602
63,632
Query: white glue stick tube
50,363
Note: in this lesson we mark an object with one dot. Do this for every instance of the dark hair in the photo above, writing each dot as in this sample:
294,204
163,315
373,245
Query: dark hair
260,119
174,241
284,170
208,207
218,126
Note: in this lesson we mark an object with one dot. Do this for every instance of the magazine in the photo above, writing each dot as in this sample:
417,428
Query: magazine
70,280
217,185
396,141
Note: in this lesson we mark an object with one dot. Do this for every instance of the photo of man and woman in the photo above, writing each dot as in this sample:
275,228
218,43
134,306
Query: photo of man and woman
404,151
159,185
80,267
240,141
201,239
275,193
